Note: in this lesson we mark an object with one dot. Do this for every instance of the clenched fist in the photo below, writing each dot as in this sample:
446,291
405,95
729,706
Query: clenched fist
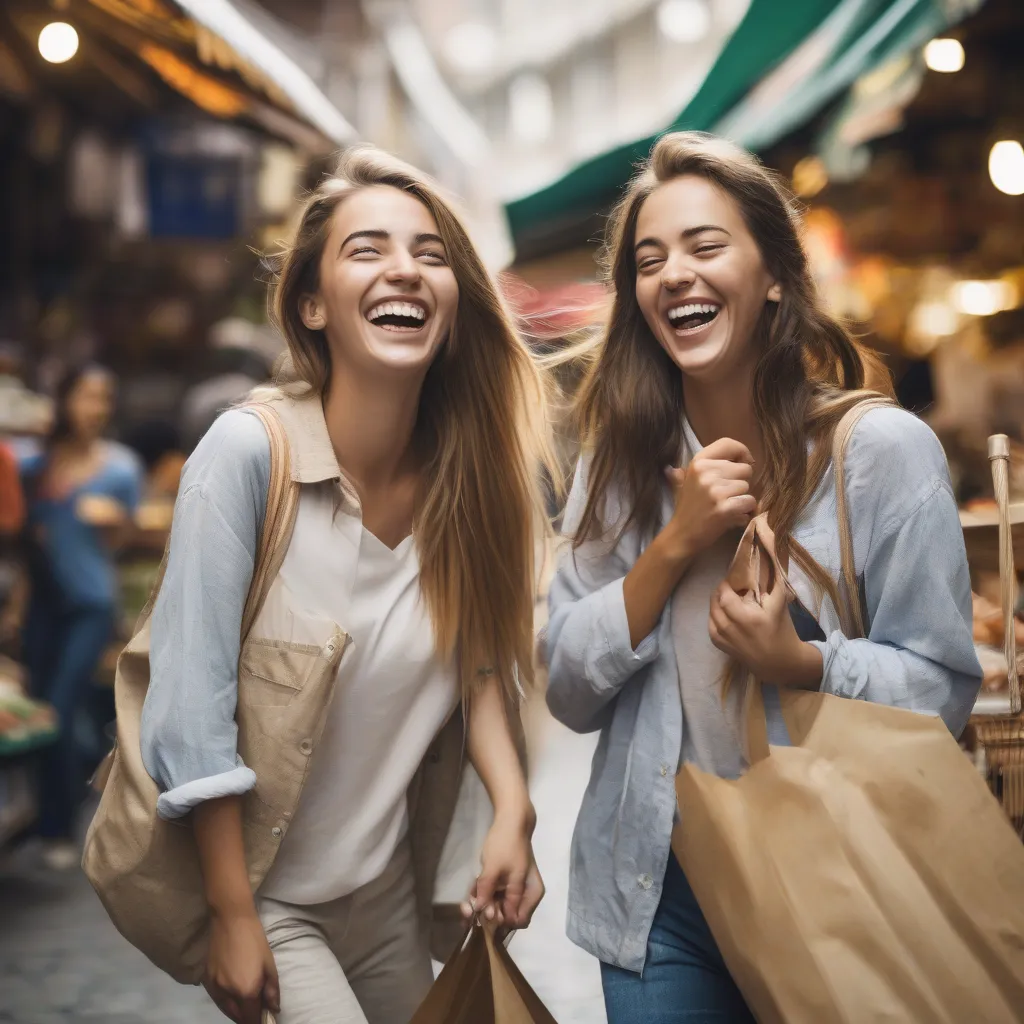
712,495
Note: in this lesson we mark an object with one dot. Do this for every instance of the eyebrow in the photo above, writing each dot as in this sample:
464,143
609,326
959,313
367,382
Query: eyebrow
383,236
688,233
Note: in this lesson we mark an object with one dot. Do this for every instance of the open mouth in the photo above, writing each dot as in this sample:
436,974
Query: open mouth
398,316
693,316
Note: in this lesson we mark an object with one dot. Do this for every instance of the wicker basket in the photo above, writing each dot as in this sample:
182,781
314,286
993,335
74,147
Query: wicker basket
1000,733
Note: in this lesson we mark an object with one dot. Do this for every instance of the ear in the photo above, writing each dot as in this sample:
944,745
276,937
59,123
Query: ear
775,292
311,313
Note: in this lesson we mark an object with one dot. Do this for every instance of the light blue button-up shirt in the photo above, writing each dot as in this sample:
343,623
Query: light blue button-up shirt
919,654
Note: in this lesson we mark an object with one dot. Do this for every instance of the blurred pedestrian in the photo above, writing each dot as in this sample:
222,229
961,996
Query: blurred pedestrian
82,491
406,417
715,394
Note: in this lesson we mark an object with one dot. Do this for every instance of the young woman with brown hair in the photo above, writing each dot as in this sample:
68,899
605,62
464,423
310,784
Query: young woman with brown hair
716,389
407,406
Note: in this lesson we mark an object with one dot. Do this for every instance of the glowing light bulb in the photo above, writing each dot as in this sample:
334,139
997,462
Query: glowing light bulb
1006,167
984,298
684,21
810,176
58,42
945,55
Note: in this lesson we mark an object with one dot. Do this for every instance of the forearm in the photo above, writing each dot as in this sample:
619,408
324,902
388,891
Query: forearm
649,584
217,825
492,752
803,670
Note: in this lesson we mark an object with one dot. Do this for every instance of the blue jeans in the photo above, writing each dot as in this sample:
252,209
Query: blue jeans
685,980
62,650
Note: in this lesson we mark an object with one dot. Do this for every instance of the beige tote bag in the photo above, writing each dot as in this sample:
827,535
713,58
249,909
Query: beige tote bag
144,869
865,874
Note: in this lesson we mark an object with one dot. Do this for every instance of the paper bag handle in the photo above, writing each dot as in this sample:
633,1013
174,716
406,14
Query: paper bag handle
999,456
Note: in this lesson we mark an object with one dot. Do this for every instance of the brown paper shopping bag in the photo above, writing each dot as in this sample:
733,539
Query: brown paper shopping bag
864,874
480,984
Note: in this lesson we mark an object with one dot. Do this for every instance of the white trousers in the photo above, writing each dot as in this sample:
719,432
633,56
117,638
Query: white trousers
360,959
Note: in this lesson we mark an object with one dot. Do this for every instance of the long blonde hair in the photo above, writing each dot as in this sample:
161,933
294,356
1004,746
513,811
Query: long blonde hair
481,428
809,370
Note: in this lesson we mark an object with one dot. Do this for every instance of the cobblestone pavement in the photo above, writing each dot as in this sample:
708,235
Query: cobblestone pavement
62,962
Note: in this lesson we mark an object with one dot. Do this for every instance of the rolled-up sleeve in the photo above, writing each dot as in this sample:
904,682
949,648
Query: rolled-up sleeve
590,656
189,736
919,652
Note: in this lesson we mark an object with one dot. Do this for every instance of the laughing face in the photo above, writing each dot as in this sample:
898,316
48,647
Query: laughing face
387,296
701,283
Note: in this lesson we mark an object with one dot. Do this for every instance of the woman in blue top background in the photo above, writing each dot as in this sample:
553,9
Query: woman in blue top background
82,491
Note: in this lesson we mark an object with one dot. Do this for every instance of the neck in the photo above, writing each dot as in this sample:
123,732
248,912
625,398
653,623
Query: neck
74,444
370,422
725,408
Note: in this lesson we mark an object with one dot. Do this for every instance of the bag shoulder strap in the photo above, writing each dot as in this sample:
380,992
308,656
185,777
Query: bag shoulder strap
279,518
853,614
278,521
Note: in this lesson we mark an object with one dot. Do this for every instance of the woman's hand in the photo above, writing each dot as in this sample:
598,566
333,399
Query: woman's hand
509,887
241,976
763,638
712,495
101,512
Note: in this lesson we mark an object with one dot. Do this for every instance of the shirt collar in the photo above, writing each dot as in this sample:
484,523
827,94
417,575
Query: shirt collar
312,455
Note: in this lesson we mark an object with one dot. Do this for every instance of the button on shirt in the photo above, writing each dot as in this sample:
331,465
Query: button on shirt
919,654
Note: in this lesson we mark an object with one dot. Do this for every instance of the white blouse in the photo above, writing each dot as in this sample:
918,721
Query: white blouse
391,698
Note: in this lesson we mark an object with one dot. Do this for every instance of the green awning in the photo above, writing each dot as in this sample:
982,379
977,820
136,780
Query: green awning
783,63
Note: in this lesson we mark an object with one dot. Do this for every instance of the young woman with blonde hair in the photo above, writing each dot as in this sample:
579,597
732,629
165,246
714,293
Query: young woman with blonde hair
716,390
408,409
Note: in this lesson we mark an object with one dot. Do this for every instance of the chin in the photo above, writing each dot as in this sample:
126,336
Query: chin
400,353
697,361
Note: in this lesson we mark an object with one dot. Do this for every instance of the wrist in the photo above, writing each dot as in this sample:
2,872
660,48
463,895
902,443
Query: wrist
805,667
672,546
517,813
231,907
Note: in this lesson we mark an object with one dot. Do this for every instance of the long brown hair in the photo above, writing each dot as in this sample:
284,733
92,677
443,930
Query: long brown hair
809,370
481,429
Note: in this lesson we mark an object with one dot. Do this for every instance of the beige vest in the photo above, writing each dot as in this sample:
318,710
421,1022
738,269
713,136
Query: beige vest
146,870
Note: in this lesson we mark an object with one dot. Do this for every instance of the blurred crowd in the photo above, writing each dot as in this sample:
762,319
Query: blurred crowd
86,496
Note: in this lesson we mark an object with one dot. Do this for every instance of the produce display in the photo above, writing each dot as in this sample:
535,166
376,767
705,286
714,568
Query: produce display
25,724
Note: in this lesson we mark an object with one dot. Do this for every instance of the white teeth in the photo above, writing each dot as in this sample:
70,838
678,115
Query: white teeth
397,309
691,309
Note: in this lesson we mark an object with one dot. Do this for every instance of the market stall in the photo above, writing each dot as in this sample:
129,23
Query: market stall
26,725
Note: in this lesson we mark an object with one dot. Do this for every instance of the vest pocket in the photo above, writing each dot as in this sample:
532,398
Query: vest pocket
272,672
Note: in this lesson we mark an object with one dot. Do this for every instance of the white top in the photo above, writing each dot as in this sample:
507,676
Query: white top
392,696
712,727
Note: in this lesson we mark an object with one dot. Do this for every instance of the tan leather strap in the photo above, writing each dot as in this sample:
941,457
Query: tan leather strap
852,616
279,518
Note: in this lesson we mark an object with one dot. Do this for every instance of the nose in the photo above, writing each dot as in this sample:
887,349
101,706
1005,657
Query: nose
677,273
402,268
